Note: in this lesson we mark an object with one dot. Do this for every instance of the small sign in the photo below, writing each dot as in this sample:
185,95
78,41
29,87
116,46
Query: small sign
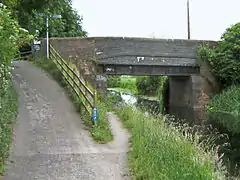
36,47
95,114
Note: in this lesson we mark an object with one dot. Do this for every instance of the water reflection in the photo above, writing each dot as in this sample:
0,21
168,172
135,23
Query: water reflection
149,105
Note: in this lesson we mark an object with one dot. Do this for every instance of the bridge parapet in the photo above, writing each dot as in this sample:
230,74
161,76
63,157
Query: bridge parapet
146,51
97,57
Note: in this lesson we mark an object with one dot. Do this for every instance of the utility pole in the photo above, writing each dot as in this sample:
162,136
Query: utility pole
188,20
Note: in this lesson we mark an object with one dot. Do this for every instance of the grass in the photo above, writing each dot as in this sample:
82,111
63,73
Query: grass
100,131
225,109
126,84
160,152
129,83
121,90
8,114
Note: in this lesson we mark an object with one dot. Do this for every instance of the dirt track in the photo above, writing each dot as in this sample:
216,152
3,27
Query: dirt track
50,142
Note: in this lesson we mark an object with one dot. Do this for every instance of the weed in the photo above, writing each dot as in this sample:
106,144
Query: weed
100,131
8,114
163,152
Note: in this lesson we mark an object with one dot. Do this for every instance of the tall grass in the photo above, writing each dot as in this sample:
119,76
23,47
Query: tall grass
224,114
123,84
160,152
100,131
225,109
8,114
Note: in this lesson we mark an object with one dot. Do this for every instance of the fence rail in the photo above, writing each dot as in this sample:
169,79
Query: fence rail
24,56
79,86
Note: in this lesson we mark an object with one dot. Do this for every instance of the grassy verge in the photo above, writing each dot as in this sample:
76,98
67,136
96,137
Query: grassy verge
225,109
129,83
224,115
8,113
162,152
100,132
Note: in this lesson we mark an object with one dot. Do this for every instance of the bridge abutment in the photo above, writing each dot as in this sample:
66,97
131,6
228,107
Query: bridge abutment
188,95
180,97
190,87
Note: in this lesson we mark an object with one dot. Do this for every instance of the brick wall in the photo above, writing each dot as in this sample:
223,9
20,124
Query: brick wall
188,95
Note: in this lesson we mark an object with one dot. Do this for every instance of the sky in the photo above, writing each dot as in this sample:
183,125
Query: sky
158,18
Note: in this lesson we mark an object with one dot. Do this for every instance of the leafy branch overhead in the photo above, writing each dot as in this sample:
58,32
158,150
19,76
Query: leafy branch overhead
225,58
27,12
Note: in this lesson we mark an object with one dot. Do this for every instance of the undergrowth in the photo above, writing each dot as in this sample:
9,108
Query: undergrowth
225,108
123,84
100,131
160,151
224,114
8,114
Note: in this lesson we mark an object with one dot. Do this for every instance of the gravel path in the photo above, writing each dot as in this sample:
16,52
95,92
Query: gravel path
50,142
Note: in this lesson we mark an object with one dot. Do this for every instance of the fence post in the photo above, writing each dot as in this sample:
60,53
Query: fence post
95,102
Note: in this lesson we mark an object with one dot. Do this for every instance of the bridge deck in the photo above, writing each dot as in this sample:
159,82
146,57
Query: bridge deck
138,56
134,56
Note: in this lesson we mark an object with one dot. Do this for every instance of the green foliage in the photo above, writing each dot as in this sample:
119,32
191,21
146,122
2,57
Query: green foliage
123,84
161,152
224,114
11,36
161,91
27,12
114,81
149,85
8,113
100,131
224,108
225,58
129,83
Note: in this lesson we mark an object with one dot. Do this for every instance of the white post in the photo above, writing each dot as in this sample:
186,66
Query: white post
47,38
188,20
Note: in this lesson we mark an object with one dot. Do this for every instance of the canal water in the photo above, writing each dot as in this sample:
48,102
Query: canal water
150,105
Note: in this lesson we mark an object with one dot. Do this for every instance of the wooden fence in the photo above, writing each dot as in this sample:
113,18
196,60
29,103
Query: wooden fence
26,55
85,94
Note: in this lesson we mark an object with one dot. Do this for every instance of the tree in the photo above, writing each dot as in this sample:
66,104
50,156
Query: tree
27,12
225,58
11,36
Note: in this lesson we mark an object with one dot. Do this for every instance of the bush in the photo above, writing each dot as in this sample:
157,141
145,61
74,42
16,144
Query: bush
114,81
225,58
11,36
8,113
123,83
160,152
224,114
224,108
149,85
129,83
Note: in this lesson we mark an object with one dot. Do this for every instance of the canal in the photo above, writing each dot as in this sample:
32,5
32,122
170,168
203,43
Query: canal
148,104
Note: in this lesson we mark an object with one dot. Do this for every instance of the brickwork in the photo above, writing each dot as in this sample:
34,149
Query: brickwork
188,94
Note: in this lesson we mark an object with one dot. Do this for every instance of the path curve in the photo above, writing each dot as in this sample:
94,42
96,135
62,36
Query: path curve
50,142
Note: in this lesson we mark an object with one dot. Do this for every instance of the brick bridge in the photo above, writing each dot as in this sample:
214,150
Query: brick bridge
190,83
